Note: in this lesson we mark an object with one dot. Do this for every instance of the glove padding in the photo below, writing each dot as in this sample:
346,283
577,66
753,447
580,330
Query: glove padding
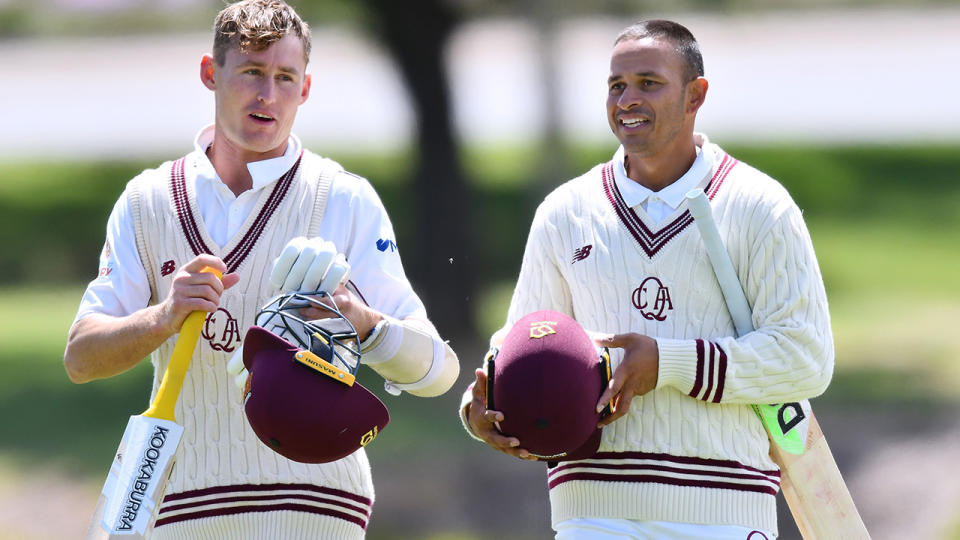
237,370
309,265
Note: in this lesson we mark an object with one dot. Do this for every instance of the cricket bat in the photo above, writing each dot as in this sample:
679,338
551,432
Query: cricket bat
134,488
810,480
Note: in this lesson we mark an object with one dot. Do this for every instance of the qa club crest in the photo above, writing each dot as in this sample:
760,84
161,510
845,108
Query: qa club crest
652,298
221,331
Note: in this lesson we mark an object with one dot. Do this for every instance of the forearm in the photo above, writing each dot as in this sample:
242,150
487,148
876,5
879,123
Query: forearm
790,356
411,356
101,346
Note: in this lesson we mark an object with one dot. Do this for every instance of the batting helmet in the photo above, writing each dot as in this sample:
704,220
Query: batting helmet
546,379
301,397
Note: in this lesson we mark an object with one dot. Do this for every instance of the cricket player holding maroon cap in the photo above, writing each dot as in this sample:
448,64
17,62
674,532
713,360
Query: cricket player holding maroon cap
251,203
683,455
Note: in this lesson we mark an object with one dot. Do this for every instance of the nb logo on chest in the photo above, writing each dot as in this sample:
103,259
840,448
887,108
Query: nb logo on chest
652,298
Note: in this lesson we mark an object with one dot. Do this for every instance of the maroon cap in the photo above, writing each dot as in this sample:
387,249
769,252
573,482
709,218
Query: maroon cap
546,380
306,414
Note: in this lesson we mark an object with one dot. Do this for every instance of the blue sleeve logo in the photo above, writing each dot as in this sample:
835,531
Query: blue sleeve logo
384,244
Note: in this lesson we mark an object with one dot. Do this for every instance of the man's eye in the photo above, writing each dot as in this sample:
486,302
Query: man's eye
616,87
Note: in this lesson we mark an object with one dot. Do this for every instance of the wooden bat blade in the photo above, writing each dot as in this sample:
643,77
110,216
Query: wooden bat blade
815,491
135,485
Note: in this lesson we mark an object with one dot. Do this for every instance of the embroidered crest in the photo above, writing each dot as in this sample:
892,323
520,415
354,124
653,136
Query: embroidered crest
221,331
539,329
652,298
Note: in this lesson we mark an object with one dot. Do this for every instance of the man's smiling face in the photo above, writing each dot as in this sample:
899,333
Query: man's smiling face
646,95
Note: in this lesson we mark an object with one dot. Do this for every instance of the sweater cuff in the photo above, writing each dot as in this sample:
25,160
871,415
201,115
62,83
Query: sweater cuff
678,363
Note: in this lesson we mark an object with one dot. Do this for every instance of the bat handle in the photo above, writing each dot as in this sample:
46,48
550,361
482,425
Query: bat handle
165,400
733,295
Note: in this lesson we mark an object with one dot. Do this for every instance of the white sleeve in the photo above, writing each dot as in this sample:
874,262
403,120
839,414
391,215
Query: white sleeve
121,286
408,353
790,355
357,223
540,284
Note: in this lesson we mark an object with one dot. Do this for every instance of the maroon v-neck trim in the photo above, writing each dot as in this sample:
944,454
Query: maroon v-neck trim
191,229
651,241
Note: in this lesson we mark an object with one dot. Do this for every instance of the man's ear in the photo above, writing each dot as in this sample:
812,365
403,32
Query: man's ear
305,91
207,65
696,94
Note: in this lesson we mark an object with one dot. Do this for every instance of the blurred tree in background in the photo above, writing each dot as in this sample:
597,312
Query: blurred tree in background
445,226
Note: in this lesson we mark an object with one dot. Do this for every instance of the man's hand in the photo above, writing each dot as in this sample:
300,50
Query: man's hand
482,422
362,316
308,265
195,290
636,375
101,346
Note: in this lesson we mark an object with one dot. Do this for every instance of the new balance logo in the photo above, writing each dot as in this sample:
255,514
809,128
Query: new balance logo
384,244
581,253
167,268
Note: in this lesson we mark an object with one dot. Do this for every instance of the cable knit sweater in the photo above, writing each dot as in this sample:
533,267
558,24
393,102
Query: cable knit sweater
226,483
692,450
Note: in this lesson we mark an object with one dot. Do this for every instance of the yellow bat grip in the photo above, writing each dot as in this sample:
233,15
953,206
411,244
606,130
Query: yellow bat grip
166,399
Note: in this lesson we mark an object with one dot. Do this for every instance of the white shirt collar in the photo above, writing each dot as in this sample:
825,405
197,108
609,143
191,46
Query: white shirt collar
263,172
633,193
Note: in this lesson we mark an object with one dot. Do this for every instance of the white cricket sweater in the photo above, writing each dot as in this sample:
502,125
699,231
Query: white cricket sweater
226,483
692,450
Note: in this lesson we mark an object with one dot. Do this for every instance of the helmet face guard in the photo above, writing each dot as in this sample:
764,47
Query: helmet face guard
301,397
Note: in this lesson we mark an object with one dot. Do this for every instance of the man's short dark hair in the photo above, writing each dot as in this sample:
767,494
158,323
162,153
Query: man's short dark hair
686,45
254,25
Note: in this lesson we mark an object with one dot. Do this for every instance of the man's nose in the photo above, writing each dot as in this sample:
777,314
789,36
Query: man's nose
267,91
630,98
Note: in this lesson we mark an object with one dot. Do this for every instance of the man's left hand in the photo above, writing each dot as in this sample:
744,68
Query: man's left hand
362,316
636,375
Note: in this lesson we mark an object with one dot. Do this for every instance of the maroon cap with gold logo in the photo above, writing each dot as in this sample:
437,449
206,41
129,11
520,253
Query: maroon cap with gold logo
546,379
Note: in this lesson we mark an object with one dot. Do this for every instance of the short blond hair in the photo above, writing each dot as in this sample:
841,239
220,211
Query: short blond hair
254,25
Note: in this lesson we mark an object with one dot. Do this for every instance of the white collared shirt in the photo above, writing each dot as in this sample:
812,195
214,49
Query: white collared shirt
124,292
223,212
353,212
658,204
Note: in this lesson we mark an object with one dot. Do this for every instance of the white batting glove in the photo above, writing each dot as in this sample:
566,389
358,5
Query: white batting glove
308,265
237,370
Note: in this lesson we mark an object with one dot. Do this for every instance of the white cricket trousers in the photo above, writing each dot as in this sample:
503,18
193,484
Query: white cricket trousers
625,529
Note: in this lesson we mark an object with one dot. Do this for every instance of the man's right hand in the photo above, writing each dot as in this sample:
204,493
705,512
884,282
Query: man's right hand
195,290
101,346
482,422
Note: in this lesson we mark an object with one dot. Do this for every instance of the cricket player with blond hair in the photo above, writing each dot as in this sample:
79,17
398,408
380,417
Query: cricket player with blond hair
251,203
